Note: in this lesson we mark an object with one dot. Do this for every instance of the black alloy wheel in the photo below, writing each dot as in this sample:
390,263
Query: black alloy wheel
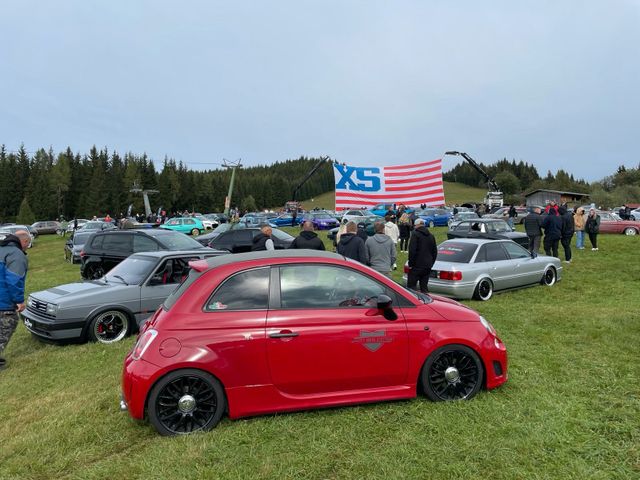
186,401
549,277
484,290
452,372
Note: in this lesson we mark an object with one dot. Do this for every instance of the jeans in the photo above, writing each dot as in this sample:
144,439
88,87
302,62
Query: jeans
510,222
579,239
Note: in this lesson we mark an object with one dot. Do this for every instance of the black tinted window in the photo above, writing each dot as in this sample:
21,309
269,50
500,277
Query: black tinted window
144,244
463,227
117,243
456,252
96,243
494,252
177,241
243,291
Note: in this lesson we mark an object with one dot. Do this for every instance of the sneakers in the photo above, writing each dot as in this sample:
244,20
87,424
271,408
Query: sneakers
594,249
567,261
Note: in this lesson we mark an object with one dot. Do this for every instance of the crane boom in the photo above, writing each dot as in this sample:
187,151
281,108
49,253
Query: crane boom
294,196
494,196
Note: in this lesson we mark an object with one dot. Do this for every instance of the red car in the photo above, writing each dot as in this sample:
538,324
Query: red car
263,332
612,223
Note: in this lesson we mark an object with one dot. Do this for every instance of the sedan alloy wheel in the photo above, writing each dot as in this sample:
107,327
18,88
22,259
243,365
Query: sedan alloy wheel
452,372
109,327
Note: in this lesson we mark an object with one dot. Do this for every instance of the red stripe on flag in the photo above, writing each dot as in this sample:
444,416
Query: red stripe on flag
357,204
425,186
387,198
412,172
414,165
411,180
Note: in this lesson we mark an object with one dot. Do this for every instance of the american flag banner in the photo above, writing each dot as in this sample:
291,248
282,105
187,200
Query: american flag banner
412,185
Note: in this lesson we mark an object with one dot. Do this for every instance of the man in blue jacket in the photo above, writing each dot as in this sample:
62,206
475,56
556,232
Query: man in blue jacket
13,272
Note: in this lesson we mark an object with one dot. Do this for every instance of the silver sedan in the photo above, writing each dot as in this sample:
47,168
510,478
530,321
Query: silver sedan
476,268
109,308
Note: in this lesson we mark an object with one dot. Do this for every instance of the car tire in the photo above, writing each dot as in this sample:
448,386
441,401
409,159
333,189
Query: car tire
452,372
630,231
195,232
186,401
109,327
549,277
484,290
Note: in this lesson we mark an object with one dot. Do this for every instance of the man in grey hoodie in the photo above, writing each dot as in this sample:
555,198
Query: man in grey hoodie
380,250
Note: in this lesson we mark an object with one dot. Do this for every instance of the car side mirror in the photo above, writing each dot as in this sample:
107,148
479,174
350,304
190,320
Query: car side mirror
384,304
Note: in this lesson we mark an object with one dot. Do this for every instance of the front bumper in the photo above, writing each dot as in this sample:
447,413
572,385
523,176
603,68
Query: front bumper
53,329
496,362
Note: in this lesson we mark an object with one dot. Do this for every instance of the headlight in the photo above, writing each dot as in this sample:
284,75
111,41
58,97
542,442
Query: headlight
52,309
488,326
30,302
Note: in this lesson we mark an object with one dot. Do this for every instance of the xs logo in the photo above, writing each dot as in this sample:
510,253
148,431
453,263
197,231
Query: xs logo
367,179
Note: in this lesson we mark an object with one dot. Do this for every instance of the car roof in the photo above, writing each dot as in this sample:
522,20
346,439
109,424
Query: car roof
269,255
476,241
178,253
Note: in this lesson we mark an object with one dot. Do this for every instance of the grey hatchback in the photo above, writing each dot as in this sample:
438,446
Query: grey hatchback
108,309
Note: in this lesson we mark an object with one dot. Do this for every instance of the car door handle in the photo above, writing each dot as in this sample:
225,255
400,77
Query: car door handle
283,334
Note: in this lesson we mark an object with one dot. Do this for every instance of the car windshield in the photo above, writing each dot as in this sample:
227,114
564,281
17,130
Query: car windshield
456,252
93,225
280,235
323,216
132,270
498,227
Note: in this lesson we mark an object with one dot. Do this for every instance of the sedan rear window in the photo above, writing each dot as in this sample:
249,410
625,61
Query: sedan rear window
456,252
177,241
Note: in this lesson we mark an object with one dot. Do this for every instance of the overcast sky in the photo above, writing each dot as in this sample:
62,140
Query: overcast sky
553,83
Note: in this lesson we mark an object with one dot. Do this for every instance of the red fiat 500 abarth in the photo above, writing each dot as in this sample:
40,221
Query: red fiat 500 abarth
280,331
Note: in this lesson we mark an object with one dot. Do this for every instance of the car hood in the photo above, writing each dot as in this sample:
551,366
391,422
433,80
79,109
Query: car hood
80,293
451,309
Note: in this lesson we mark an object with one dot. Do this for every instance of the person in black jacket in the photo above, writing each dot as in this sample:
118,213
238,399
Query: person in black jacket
552,225
307,238
351,245
263,240
422,256
532,226
567,232
592,227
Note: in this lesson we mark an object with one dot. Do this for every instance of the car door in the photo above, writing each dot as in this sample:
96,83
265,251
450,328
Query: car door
325,334
497,264
526,270
116,247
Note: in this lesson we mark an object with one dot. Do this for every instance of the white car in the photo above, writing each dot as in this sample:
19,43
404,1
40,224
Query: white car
355,215
207,223
7,229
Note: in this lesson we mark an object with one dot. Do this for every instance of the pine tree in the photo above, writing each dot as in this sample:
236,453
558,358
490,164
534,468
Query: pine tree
25,214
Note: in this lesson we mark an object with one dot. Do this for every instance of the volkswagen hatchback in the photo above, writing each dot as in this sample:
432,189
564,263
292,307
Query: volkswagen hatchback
264,332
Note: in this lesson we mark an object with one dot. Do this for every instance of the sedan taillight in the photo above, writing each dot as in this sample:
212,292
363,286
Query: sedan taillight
455,276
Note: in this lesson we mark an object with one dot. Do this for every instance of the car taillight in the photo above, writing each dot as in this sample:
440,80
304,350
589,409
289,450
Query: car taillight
455,276
143,343
407,269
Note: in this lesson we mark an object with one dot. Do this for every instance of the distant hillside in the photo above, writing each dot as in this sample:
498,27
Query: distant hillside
454,193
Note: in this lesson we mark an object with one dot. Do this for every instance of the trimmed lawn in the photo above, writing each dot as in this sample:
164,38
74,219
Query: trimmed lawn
571,408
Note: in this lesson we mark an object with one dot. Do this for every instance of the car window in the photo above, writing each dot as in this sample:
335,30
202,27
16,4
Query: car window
492,252
96,243
121,243
313,286
172,271
173,222
189,221
81,238
144,244
456,252
132,270
280,235
463,227
177,241
248,290
498,227
515,251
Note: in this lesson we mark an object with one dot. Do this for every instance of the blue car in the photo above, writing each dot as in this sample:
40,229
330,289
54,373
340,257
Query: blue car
382,208
285,220
434,217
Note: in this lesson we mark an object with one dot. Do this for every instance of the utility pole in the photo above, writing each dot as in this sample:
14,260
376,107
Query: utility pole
232,166
145,196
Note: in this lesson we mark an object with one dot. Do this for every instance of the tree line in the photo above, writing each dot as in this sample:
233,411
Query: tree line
47,185
517,178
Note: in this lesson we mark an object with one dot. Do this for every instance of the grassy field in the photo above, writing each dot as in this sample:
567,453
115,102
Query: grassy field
455,193
570,410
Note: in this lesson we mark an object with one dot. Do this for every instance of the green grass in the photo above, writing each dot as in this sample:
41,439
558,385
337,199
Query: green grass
454,193
571,408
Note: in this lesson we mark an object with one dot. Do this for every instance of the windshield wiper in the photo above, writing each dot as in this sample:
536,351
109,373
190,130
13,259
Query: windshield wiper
120,278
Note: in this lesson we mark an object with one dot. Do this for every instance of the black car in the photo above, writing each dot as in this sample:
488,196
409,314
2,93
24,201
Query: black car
207,238
491,228
238,240
106,249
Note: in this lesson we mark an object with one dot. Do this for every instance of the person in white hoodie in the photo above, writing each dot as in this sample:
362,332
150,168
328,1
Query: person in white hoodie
392,231
380,251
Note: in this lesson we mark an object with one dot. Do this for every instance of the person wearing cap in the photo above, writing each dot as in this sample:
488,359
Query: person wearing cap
422,256
13,273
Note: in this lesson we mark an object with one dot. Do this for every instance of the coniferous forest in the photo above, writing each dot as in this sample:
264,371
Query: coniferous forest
47,185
